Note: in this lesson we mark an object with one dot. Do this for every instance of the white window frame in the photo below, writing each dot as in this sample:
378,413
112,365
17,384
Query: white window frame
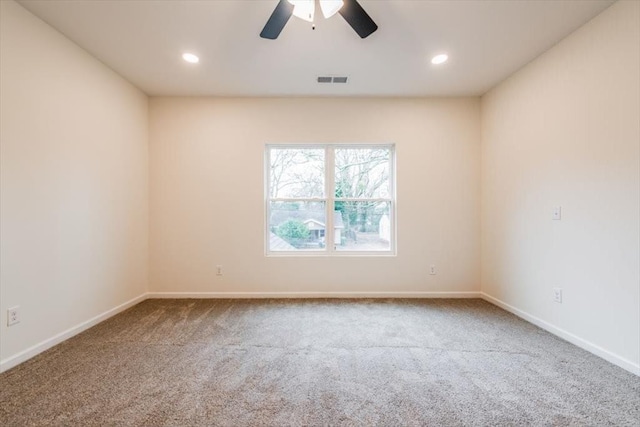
329,199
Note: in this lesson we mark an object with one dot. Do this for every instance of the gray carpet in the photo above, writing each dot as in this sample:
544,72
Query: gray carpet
317,362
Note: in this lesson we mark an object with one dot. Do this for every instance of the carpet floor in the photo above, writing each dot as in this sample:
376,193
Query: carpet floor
317,362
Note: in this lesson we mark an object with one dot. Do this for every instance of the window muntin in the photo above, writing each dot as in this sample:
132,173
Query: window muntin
359,182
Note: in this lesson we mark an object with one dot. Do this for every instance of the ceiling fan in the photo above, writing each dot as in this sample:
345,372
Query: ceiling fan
350,10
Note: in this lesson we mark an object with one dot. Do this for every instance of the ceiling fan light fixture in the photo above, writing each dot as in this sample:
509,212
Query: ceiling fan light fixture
304,9
350,10
330,7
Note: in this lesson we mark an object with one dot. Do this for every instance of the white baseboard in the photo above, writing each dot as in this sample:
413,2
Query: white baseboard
27,354
238,295
568,336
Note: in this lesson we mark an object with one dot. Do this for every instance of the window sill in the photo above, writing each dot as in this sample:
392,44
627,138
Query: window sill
331,255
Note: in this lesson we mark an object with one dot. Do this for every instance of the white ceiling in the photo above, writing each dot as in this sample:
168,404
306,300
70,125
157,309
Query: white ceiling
486,40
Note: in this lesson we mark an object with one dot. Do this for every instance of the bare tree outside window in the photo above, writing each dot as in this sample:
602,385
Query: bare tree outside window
330,199
362,192
297,173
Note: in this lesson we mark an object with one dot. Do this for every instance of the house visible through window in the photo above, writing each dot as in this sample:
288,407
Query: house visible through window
330,199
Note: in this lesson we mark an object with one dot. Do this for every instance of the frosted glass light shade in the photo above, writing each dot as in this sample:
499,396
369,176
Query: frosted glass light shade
304,9
330,7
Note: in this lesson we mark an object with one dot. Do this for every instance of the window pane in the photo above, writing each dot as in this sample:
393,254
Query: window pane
296,173
362,173
365,226
297,226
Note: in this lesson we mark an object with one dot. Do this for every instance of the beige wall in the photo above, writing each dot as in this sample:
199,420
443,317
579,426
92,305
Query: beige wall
207,193
73,187
565,130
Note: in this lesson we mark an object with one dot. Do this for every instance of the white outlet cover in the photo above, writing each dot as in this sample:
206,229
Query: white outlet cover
13,315
557,295
557,213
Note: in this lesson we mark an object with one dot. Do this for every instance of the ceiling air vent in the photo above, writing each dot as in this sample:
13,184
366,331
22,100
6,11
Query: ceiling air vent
328,79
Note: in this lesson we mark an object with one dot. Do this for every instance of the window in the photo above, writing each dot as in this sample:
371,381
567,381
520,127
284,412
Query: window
330,199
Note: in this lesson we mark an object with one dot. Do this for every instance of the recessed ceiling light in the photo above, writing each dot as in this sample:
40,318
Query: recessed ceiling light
191,58
439,59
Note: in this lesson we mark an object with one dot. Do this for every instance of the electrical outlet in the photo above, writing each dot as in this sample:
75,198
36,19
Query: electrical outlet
556,214
13,315
557,295
432,270
218,270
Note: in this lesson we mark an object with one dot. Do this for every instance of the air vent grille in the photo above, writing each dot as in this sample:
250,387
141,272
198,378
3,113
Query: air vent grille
328,79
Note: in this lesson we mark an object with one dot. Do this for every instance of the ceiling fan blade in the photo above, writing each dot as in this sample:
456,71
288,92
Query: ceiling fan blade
356,16
277,21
